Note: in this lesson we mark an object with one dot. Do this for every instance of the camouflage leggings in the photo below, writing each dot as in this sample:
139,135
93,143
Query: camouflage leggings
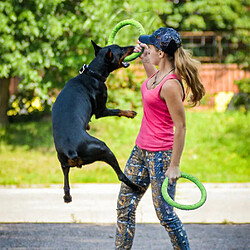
145,167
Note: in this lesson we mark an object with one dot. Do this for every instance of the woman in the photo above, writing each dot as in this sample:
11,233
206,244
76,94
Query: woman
158,147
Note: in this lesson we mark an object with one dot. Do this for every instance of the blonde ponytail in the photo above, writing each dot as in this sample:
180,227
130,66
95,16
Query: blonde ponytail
188,69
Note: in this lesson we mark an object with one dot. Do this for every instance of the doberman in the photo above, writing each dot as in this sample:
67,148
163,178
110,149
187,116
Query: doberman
84,96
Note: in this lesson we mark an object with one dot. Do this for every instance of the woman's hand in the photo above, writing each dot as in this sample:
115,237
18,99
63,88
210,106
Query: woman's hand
173,173
145,55
145,58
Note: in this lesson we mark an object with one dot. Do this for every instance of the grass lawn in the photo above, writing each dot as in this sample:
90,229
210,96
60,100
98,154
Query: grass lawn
216,150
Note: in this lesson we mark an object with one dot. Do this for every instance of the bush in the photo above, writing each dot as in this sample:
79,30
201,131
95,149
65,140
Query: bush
241,100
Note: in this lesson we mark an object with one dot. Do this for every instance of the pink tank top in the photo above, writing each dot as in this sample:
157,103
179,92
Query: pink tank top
157,127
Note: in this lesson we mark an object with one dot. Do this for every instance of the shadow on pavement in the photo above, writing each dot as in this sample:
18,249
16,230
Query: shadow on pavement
101,236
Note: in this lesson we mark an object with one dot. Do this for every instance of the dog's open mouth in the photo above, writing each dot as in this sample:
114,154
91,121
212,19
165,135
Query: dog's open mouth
129,52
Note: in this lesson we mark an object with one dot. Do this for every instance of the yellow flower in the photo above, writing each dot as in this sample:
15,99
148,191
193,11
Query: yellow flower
27,104
53,99
30,109
36,104
15,104
11,112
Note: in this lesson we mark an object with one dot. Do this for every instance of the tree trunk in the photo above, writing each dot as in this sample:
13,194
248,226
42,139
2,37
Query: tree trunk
4,99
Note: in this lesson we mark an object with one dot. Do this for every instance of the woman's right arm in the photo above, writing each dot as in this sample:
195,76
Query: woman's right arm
148,66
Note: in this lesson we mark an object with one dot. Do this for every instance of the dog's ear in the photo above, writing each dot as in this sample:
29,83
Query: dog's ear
96,47
109,56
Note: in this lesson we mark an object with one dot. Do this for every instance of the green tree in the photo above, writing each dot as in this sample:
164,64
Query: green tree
45,42
228,17
35,38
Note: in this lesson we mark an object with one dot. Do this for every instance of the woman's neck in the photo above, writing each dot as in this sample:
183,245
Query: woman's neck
165,66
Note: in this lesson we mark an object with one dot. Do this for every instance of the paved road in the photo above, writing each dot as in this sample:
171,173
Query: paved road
101,236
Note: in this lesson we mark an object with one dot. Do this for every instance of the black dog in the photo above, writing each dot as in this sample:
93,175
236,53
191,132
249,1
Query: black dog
84,96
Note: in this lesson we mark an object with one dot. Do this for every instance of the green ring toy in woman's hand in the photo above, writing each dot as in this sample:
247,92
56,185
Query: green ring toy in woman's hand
118,27
168,199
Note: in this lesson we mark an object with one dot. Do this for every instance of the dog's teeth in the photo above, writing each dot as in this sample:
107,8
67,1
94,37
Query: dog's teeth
125,64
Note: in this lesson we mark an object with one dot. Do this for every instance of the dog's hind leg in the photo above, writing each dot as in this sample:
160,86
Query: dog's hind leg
67,197
98,151
111,160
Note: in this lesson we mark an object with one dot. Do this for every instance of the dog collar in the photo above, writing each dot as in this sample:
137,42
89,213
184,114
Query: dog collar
85,69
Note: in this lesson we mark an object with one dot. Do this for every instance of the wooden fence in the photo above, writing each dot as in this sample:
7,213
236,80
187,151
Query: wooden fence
215,77
220,77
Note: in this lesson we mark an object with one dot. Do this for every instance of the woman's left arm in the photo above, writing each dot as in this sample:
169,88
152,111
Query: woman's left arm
172,94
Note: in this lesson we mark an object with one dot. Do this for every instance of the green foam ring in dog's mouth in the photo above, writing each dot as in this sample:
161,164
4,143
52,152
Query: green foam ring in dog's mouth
121,25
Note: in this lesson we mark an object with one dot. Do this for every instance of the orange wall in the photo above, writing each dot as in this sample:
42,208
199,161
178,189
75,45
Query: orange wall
220,77
215,77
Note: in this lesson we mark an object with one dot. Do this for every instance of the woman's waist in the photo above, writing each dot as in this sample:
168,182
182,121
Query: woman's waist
144,152
155,140
152,136
157,127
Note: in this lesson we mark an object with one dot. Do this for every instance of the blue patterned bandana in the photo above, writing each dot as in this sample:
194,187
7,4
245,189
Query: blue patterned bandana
166,39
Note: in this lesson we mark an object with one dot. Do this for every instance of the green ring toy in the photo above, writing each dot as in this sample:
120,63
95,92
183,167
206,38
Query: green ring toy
168,199
118,27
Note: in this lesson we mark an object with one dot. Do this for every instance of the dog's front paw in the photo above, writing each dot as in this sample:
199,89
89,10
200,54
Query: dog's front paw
130,113
127,113
133,114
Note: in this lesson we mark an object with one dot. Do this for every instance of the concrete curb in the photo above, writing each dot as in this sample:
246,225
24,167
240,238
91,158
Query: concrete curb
96,203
